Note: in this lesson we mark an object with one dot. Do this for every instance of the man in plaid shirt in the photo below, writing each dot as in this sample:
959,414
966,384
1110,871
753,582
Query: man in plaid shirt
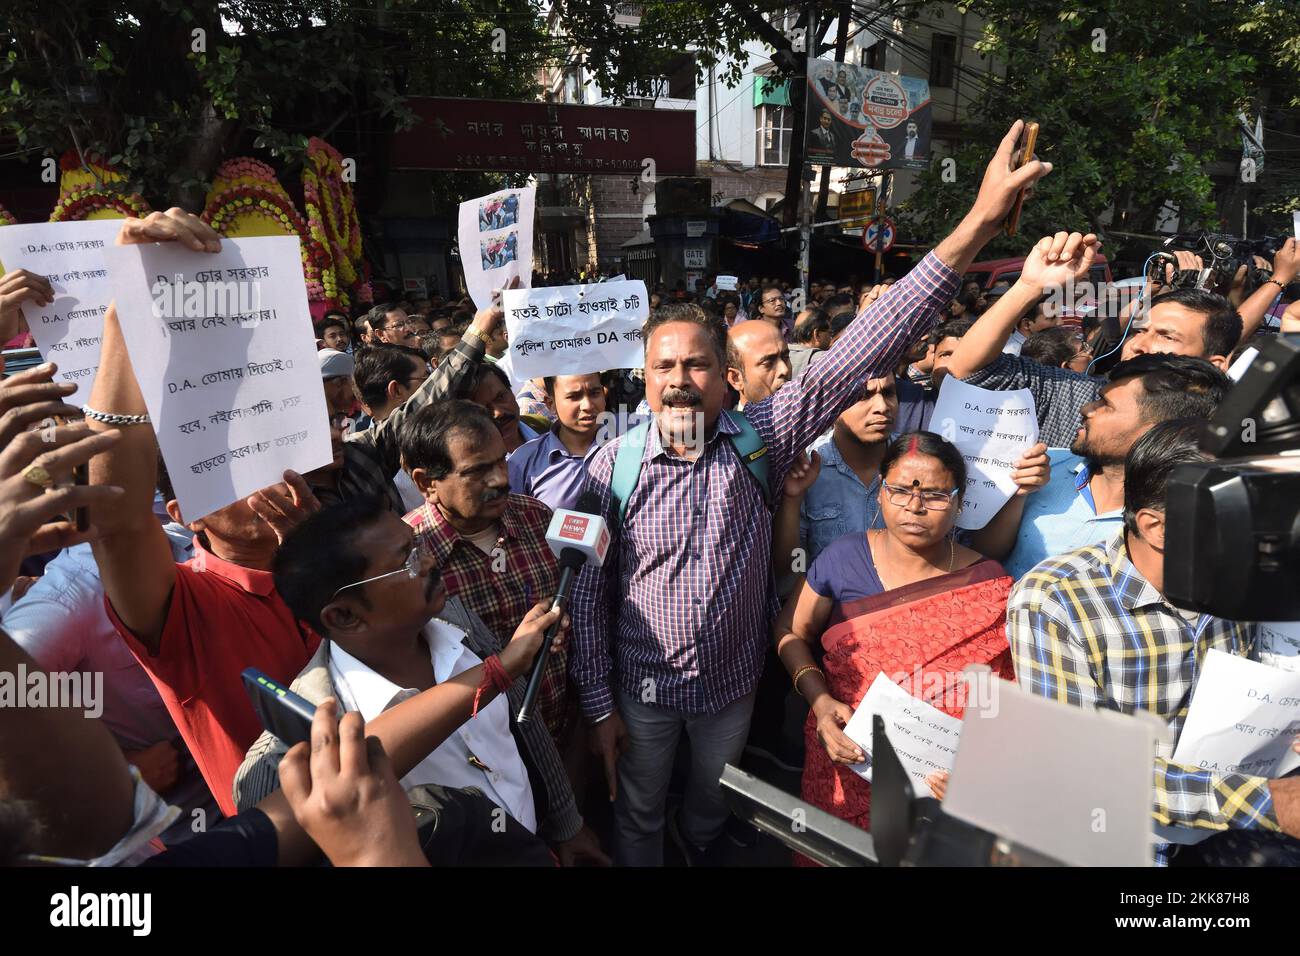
490,544
670,633
1092,628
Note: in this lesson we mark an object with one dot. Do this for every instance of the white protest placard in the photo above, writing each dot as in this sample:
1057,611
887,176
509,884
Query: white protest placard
924,737
1279,644
1295,222
991,430
1243,717
575,329
726,283
223,348
71,256
496,242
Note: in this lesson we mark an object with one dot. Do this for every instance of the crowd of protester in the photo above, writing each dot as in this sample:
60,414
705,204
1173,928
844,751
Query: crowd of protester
406,587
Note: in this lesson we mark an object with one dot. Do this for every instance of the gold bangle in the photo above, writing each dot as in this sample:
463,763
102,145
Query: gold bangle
803,670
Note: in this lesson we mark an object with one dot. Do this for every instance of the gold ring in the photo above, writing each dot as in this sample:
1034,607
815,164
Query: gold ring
39,477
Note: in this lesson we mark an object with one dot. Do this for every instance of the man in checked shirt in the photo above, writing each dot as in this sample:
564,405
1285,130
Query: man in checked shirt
670,633
1093,628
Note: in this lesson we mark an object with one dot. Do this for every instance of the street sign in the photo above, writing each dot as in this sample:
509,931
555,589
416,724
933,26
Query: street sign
856,207
879,236
695,257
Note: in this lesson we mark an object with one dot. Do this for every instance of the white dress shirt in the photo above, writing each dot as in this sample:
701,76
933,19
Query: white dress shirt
498,769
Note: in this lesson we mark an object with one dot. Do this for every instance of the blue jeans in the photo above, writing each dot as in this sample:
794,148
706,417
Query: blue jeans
646,766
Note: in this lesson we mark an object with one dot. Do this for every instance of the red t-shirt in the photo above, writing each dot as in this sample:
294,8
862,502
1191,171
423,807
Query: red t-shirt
222,618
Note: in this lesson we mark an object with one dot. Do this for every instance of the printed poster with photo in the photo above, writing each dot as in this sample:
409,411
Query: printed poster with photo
858,117
496,242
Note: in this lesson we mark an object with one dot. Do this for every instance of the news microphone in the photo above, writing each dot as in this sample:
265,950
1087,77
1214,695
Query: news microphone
578,538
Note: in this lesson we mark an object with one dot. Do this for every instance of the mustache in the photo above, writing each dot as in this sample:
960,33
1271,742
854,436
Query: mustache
492,494
687,395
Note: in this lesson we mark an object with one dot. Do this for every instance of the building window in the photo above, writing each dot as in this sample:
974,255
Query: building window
873,57
943,59
772,133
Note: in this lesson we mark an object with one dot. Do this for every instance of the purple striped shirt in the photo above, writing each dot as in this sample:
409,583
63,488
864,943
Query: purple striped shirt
682,610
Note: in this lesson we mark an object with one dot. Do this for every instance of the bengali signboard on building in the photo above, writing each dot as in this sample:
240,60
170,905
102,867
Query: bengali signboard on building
469,134
859,117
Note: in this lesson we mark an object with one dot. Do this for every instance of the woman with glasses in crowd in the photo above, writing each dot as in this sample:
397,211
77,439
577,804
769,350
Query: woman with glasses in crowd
907,601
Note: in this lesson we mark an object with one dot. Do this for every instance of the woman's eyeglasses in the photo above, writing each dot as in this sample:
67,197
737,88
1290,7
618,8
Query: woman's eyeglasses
411,569
901,497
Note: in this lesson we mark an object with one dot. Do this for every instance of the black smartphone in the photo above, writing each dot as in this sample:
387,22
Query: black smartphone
282,712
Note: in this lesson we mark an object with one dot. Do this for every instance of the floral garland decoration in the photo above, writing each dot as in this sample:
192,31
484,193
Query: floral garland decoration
246,197
333,220
6,217
82,197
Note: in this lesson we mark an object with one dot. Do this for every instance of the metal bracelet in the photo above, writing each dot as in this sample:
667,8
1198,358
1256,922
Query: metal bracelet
109,418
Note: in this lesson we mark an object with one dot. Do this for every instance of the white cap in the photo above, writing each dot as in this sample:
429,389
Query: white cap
334,363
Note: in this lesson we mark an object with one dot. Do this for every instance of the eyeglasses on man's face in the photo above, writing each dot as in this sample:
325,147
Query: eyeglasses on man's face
901,497
411,568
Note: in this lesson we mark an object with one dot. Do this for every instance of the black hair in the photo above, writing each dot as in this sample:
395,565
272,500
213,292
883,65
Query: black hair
457,329
320,556
927,443
164,482
489,368
376,365
713,326
953,329
425,435
334,320
20,831
378,316
842,320
1222,329
1052,347
1174,386
1152,458
816,321
840,300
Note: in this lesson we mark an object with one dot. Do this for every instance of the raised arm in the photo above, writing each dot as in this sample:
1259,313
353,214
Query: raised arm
1285,266
373,456
875,342
135,561
1055,262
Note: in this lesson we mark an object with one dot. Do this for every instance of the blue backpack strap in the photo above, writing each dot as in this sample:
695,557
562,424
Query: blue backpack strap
752,450
627,469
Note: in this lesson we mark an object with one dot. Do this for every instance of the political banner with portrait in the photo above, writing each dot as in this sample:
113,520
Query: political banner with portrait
575,329
858,117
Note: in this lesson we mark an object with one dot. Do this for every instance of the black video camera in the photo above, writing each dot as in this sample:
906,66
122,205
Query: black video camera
1222,255
1232,539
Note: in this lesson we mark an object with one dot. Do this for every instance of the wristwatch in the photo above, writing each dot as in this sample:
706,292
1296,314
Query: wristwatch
477,334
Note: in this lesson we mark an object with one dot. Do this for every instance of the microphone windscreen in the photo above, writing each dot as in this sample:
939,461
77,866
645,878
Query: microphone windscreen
572,558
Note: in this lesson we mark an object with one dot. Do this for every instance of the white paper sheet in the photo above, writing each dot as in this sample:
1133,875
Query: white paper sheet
1295,223
71,256
924,737
1074,784
496,242
1243,717
575,329
223,348
1238,368
726,283
1279,644
991,430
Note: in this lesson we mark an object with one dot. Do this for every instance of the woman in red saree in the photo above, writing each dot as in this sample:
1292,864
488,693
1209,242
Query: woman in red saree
906,601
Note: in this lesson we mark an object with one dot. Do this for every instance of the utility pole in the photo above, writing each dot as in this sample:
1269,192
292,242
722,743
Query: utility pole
805,182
